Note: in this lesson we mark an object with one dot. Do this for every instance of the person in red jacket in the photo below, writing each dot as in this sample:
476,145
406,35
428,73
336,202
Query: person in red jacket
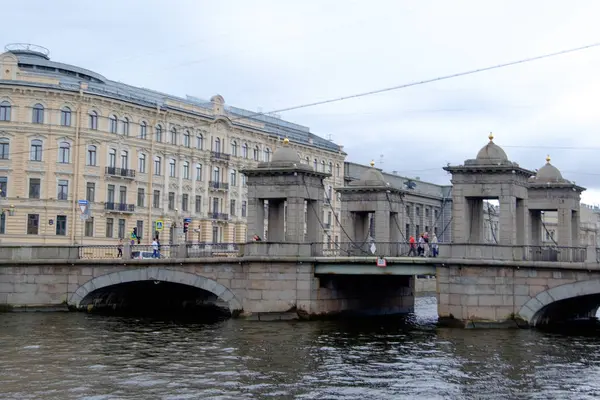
412,246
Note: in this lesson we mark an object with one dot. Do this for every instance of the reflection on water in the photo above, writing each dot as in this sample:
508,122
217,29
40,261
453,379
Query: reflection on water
79,356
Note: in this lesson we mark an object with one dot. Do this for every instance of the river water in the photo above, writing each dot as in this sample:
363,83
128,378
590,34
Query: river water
79,356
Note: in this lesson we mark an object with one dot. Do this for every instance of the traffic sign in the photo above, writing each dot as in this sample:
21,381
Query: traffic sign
381,262
188,220
84,216
83,206
159,225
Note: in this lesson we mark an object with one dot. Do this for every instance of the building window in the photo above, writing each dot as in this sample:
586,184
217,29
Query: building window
255,153
198,172
64,153
65,116
38,114
323,166
426,214
33,224
125,126
215,234
110,227
173,136
158,134
216,174
110,193
143,130
156,199
199,142
215,204
123,194
217,145
140,228
198,204
89,227
142,163
63,189
91,155
5,111
172,168
124,159
2,223
121,228
4,149
157,165
234,148
267,155
112,158
243,208
35,185
3,186
232,207
330,168
184,202
244,179
233,178
337,170
141,197
61,225
186,170
245,150
315,164
186,139
112,124
93,120
36,150
171,200
90,192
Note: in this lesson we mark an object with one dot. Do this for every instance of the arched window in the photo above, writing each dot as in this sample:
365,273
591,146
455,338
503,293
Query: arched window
199,141
112,158
91,155
157,166
36,150
158,134
186,170
255,153
186,138
267,155
125,126
315,164
172,170
307,160
93,120
337,170
124,159
217,145
323,166
330,169
216,174
64,153
245,150
65,116
142,163
173,136
198,172
143,130
5,111
112,124
38,114
4,149
234,148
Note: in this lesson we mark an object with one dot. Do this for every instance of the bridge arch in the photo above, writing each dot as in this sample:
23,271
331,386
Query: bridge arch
157,274
574,299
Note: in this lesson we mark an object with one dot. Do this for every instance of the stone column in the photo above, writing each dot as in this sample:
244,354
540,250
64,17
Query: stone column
475,221
314,230
395,235
256,218
460,218
536,227
575,228
565,227
276,220
382,232
522,222
507,224
295,220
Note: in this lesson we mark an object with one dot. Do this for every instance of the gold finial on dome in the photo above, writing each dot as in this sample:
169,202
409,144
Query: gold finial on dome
491,136
548,158
372,163
286,141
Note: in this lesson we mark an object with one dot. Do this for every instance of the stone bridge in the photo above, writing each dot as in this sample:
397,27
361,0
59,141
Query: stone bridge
499,286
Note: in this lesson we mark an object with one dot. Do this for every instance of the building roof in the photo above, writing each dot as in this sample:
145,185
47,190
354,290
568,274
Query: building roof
491,153
549,173
36,60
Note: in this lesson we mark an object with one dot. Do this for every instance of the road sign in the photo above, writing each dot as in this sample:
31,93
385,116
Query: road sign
188,220
381,262
159,225
84,216
83,206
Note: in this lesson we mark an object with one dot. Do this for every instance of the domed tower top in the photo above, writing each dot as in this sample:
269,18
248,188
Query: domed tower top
491,153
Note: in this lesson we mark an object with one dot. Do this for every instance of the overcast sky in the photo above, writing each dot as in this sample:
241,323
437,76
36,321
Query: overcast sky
272,54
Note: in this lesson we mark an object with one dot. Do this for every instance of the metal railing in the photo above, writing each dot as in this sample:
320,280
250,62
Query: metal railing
218,185
218,216
121,207
220,156
214,250
122,172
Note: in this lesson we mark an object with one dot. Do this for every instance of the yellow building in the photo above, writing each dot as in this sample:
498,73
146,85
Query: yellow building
137,156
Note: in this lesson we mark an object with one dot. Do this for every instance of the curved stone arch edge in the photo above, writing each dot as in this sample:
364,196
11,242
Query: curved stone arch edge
157,274
569,290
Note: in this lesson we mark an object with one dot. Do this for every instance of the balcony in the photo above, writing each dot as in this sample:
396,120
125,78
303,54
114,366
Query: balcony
119,207
218,156
218,216
120,172
216,185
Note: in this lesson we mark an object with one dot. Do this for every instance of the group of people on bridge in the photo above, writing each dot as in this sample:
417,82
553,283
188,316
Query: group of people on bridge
423,247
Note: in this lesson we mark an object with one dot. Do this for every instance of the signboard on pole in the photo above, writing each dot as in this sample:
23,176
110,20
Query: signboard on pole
159,225
84,206
188,220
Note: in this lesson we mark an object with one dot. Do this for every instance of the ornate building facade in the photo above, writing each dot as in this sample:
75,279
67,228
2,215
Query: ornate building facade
136,156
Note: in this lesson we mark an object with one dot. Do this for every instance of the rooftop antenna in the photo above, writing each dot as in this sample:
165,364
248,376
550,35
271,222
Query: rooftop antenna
330,138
